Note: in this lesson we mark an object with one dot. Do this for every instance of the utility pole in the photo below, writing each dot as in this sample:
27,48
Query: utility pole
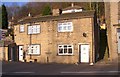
29,15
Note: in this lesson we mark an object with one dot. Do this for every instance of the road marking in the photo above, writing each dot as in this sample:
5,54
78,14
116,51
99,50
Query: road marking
22,72
94,72
17,72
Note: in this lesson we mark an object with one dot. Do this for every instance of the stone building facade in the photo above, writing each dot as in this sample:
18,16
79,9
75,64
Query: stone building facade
60,38
112,14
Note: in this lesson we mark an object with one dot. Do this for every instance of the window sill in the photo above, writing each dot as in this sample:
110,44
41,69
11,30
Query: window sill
64,55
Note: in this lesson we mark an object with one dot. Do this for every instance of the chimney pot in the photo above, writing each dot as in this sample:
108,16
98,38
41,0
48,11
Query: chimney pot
72,4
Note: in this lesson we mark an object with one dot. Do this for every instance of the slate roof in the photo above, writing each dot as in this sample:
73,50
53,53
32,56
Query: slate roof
84,14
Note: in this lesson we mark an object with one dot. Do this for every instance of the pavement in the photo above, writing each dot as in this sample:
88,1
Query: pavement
20,68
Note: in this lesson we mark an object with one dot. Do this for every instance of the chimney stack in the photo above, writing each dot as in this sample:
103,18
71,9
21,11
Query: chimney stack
56,12
29,15
72,4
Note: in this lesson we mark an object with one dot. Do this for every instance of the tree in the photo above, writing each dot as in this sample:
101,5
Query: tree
46,10
13,11
4,18
0,17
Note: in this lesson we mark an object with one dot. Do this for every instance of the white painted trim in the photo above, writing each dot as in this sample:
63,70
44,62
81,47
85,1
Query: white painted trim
66,44
79,52
82,72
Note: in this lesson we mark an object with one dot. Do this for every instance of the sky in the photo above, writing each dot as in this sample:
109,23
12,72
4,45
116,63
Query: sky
13,2
22,2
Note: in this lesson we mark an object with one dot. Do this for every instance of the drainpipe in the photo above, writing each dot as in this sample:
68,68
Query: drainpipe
91,62
93,50
30,44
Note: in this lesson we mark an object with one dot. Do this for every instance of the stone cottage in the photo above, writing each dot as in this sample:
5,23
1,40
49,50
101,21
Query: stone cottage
67,37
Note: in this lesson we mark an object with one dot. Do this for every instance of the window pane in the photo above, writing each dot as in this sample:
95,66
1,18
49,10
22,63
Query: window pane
69,28
60,28
65,50
34,49
70,50
69,46
65,28
61,51
38,28
65,46
34,29
69,23
60,46
21,28
29,29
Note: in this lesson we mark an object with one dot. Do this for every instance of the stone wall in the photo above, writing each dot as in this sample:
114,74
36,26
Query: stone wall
49,39
111,14
3,53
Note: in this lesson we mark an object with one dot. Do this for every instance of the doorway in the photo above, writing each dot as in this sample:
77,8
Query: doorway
84,53
118,39
21,53
12,52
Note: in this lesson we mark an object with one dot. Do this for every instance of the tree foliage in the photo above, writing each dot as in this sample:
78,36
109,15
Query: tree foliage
0,17
43,8
4,17
46,10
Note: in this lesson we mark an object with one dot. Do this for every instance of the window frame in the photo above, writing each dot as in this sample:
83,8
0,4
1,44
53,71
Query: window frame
118,20
63,49
34,27
30,53
21,31
65,26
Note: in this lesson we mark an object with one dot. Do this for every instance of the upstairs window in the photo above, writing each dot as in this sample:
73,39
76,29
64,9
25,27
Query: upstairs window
22,29
65,49
65,27
119,21
34,29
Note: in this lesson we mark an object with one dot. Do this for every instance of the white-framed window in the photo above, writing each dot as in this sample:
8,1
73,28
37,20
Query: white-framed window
119,21
65,49
22,28
34,29
34,49
65,27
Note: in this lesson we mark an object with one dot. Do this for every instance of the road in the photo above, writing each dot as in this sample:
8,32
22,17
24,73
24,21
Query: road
20,68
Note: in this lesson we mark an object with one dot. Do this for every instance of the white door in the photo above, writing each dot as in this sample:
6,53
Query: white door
118,38
84,57
20,53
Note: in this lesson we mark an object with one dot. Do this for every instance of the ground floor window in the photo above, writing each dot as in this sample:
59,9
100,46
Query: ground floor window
65,49
34,49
